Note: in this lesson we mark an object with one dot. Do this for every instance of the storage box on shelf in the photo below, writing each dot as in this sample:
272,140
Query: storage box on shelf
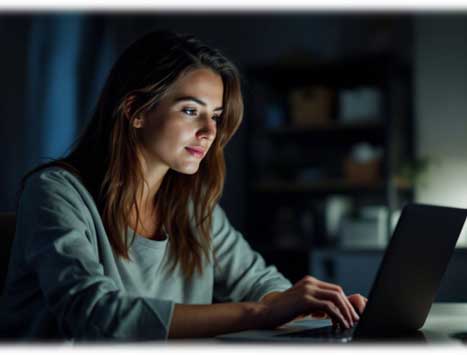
334,130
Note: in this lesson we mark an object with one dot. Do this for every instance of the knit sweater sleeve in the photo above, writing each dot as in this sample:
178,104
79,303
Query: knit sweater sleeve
54,230
240,272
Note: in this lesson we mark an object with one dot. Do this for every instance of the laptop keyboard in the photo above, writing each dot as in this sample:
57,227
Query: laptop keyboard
328,332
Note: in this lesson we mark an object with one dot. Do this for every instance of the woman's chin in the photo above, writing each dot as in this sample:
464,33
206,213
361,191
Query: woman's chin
187,170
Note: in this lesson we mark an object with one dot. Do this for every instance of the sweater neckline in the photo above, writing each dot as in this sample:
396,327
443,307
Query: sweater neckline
150,243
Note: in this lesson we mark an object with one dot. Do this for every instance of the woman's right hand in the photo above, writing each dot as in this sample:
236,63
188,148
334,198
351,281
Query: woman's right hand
307,296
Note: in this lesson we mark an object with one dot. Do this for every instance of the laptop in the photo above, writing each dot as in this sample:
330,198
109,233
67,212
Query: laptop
404,287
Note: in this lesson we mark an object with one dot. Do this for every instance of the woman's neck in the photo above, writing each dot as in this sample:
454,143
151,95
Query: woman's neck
148,224
154,172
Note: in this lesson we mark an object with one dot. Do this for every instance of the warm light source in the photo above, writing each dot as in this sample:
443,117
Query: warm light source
445,183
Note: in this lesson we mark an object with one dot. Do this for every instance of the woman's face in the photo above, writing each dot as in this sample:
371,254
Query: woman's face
178,133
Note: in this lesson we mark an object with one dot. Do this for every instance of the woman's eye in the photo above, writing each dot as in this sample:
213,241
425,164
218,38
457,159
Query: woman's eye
216,118
189,111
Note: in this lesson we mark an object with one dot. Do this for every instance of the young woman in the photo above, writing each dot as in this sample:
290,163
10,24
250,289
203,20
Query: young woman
123,238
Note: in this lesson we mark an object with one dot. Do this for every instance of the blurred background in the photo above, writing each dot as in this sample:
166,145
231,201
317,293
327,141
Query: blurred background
349,116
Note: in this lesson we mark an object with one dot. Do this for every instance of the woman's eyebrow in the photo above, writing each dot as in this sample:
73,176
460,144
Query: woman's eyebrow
195,99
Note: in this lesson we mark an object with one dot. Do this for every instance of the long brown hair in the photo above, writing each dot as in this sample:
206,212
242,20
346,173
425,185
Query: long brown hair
104,156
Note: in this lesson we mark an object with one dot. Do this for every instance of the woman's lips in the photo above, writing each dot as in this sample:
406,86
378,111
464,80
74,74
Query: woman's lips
199,153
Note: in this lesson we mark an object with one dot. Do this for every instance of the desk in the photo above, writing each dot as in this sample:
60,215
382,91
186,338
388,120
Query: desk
443,320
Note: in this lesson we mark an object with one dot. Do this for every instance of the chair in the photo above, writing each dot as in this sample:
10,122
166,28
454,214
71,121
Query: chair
7,233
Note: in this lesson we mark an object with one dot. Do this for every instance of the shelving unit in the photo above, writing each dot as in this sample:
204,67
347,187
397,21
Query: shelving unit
295,170
327,186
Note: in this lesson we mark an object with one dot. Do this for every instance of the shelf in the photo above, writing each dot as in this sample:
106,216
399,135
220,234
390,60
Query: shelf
330,128
327,251
305,249
300,167
335,251
329,185
332,134
346,72
332,251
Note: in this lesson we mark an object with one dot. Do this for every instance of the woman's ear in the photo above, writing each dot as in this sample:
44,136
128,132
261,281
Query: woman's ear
129,107
138,122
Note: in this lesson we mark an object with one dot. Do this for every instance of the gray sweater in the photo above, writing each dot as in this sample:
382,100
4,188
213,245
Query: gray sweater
65,282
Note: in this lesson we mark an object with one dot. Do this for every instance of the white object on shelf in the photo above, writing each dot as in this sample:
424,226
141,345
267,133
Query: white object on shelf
361,104
336,208
369,230
364,152
360,233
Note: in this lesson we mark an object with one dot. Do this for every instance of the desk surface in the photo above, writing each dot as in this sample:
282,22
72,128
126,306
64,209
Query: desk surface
444,320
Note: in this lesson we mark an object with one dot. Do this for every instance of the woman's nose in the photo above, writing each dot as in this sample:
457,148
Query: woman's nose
208,127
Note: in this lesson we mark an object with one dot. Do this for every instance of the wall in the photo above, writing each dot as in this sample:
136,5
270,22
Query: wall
441,107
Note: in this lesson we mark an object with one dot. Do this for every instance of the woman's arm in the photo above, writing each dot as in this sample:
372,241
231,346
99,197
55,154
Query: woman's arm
191,321
54,243
241,273
307,296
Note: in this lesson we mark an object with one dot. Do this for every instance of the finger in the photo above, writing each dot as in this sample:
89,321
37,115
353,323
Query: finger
332,287
333,312
337,288
300,317
306,279
338,300
319,315
358,301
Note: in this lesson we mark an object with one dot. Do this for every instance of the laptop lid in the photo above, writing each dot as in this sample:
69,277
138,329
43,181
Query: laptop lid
411,270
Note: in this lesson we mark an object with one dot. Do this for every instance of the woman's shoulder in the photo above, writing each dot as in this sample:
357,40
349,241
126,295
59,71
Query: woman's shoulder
219,220
50,175
54,179
58,191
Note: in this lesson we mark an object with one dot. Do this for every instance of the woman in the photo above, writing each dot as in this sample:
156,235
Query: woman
123,238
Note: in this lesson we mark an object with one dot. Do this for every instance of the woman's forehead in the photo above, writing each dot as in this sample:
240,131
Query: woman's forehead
203,84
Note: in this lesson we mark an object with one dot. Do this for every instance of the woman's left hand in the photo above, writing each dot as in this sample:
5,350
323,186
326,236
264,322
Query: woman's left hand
357,300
